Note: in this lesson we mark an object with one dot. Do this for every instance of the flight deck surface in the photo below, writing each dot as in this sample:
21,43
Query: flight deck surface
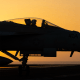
42,72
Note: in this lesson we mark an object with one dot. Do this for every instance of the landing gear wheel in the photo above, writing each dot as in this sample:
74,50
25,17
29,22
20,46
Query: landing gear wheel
20,70
27,70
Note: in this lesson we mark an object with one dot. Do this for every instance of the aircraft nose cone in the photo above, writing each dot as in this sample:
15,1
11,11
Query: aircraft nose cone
4,61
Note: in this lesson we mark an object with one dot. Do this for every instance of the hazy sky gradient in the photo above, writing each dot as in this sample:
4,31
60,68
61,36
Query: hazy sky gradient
64,13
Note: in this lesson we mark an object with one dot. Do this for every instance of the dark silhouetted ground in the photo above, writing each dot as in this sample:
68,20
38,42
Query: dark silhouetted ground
44,72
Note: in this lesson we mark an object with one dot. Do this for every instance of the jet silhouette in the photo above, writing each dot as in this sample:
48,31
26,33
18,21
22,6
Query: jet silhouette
33,36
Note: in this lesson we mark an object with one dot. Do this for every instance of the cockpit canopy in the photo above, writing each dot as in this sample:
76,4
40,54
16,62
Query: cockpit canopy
36,22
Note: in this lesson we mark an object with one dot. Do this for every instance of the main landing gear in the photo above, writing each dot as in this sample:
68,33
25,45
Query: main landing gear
24,66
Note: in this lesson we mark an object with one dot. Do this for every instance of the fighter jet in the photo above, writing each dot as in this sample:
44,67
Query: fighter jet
33,36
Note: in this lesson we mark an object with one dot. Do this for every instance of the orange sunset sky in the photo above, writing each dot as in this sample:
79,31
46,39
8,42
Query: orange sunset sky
64,13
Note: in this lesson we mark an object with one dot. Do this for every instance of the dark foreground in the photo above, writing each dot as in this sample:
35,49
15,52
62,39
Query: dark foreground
43,72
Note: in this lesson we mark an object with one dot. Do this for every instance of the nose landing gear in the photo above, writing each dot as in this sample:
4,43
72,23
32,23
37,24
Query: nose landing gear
24,66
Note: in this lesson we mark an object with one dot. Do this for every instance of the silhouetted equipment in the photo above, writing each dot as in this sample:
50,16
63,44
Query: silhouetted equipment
71,53
28,22
16,53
